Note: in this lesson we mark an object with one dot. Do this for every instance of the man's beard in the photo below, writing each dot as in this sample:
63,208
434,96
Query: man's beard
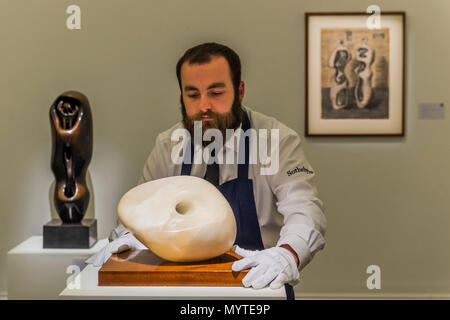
220,121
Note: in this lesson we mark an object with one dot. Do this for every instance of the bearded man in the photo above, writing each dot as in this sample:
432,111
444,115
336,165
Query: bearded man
280,220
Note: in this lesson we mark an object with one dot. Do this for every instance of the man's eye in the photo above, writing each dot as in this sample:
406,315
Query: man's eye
216,93
192,95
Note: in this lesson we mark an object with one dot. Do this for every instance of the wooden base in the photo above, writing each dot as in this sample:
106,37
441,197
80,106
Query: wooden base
144,268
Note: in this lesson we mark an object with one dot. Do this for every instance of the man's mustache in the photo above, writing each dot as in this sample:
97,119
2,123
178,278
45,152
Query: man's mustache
198,116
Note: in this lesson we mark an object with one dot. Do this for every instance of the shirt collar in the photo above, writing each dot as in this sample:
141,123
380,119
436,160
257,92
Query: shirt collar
234,139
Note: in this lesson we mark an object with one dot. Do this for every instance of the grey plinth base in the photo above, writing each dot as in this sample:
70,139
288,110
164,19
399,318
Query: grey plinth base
70,235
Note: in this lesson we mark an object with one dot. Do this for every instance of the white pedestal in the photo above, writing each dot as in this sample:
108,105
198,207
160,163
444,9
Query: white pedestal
85,286
37,273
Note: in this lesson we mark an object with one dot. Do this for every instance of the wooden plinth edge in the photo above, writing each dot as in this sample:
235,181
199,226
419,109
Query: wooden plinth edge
144,268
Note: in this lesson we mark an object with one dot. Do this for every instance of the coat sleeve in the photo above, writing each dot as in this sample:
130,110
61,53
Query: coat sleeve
297,200
154,168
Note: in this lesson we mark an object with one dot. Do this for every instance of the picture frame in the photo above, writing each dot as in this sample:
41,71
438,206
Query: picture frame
354,75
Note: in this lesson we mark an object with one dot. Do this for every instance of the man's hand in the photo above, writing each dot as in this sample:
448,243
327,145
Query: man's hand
121,244
276,266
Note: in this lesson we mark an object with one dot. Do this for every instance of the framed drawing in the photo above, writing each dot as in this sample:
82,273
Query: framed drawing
355,76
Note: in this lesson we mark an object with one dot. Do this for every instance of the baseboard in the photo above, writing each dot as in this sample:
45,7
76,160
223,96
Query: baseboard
3,295
372,296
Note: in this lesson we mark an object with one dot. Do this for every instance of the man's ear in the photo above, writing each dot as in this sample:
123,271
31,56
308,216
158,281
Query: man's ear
241,91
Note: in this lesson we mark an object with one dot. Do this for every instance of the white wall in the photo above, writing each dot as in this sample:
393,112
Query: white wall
386,198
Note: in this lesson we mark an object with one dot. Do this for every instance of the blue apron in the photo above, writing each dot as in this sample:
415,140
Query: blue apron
239,193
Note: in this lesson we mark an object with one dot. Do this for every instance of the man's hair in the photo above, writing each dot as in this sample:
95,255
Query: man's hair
202,54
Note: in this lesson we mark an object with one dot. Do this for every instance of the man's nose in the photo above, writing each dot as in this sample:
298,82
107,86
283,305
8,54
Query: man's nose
205,104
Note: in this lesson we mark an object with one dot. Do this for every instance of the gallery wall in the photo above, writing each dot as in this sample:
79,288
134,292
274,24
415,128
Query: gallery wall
386,198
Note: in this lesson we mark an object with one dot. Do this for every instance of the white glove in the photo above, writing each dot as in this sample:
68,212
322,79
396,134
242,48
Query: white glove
275,265
125,242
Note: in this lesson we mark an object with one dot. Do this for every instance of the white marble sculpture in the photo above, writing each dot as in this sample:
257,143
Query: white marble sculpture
363,89
180,218
339,83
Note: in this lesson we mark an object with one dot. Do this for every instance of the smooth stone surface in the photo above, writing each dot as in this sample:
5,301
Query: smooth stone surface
181,218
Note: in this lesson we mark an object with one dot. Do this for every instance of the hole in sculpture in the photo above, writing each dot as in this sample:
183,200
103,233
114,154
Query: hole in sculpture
182,207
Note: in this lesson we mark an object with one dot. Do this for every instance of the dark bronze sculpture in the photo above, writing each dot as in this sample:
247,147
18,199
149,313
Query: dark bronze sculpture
71,123
72,145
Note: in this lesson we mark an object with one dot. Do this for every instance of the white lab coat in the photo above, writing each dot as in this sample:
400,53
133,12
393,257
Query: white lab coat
289,210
